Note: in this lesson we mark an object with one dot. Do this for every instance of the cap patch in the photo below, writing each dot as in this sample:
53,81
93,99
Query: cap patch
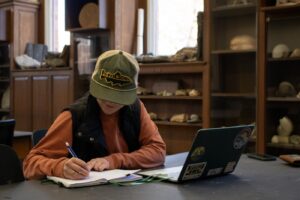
115,79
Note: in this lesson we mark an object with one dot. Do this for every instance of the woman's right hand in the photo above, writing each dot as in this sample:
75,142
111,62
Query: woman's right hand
74,168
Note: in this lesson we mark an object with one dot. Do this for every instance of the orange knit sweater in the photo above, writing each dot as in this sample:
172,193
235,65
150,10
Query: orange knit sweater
50,154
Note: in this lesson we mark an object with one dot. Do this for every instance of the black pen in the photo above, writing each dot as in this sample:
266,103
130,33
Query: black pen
71,151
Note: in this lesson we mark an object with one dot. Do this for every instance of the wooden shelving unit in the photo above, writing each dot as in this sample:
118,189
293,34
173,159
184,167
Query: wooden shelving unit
234,95
226,51
170,97
277,24
167,123
178,136
188,75
233,72
222,9
4,77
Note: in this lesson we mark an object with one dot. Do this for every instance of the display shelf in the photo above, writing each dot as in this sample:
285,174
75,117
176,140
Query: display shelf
172,68
73,9
233,10
4,66
284,146
227,51
281,9
186,75
233,72
283,99
4,79
170,97
4,110
168,123
288,59
278,25
43,69
235,95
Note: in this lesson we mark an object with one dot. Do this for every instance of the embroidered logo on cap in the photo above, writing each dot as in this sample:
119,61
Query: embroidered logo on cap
115,79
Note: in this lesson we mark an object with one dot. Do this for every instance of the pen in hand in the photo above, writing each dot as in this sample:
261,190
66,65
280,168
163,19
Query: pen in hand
71,151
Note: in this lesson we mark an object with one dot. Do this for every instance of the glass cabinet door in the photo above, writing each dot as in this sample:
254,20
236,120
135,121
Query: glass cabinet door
87,45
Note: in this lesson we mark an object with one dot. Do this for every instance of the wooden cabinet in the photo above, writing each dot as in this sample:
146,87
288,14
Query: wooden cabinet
39,96
232,64
278,25
4,80
178,136
20,18
19,26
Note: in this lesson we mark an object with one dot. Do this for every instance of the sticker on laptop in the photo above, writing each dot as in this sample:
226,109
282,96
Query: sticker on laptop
230,167
242,138
194,171
197,153
215,171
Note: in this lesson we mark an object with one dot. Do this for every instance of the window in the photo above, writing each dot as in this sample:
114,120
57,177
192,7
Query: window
55,35
172,25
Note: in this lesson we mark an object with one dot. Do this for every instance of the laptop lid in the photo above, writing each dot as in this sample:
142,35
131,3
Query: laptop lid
215,151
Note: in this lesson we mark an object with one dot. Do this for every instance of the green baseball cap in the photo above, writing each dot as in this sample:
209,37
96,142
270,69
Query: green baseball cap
115,77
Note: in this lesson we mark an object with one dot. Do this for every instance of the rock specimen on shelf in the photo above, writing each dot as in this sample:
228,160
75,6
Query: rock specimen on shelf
185,54
180,92
193,118
142,91
286,89
295,53
26,62
58,59
193,93
153,116
287,2
5,103
280,51
239,2
284,130
164,93
295,139
179,118
242,42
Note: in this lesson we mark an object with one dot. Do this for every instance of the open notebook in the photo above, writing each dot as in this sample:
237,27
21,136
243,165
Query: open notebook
214,152
98,178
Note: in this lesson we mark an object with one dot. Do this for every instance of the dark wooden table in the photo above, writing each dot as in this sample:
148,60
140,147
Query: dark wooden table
252,179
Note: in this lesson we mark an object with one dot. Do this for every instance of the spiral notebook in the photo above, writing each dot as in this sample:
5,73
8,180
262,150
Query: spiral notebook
98,178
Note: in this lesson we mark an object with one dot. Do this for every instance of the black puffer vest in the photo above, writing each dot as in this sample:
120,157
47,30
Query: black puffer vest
88,137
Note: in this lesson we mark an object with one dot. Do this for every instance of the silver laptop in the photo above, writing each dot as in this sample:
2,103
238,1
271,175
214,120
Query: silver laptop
214,152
